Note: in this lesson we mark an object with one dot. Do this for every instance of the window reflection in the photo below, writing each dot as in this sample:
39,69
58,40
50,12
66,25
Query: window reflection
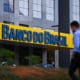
23,7
37,8
76,10
50,9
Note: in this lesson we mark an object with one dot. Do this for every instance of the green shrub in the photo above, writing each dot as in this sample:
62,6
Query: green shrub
6,55
5,74
34,59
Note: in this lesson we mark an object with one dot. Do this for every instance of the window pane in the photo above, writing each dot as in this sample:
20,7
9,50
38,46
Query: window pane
50,17
6,1
38,14
76,2
8,5
21,3
37,8
6,8
47,4
47,10
24,0
23,12
23,7
47,1
50,10
51,3
39,2
35,1
11,2
76,9
34,13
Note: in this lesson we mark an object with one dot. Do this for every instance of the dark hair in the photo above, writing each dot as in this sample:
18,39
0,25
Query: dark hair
74,23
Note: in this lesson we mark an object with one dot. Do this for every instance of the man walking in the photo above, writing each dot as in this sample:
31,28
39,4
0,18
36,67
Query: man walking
75,61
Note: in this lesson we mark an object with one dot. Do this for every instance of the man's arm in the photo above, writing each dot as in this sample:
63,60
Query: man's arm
77,41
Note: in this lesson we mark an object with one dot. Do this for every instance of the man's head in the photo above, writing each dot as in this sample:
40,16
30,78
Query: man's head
74,26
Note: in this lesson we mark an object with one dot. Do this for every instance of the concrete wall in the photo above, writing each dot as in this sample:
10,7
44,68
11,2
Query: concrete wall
29,20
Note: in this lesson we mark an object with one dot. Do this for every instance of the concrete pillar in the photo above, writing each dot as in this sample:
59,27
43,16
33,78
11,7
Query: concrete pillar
64,14
56,58
44,57
71,53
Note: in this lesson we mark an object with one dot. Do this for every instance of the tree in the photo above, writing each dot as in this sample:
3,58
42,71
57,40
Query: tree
6,55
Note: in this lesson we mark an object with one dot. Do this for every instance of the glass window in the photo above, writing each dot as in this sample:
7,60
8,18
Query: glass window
76,10
37,8
50,10
23,7
9,6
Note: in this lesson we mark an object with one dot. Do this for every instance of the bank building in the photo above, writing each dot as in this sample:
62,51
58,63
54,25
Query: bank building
40,28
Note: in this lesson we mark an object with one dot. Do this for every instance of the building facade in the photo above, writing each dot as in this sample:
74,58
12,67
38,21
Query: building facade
45,14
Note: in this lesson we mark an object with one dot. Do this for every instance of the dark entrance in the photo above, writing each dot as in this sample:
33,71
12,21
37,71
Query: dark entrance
23,54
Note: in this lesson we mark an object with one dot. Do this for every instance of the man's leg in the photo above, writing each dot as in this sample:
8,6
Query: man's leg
72,69
79,67
79,72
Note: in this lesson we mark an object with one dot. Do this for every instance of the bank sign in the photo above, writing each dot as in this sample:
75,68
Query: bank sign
31,35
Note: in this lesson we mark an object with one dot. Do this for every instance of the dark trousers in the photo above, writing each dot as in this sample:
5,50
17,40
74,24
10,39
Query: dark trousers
75,64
